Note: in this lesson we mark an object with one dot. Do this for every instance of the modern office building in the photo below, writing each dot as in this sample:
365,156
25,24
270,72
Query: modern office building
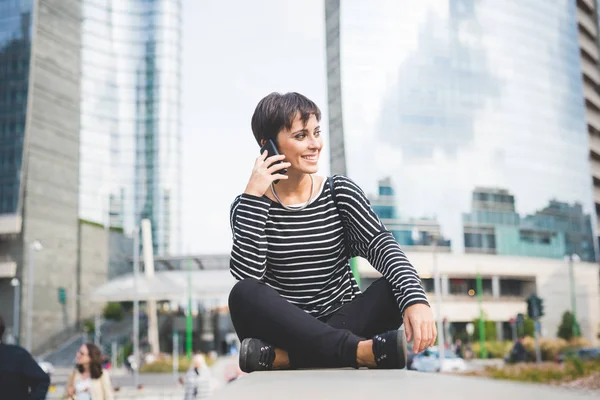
413,234
40,61
474,111
89,146
506,281
494,227
130,120
587,26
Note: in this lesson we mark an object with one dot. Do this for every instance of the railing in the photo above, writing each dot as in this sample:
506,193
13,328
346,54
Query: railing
56,340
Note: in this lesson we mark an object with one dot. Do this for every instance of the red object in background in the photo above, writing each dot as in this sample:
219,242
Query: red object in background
512,321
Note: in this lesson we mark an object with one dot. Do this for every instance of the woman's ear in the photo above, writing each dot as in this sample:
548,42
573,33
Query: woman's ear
262,142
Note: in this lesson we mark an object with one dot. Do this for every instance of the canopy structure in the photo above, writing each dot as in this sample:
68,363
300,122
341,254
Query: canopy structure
167,285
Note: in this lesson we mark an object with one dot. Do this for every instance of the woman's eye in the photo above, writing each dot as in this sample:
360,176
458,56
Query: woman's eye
318,133
301,136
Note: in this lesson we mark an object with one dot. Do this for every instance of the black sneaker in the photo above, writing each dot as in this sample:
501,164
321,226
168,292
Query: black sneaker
389,349
256,355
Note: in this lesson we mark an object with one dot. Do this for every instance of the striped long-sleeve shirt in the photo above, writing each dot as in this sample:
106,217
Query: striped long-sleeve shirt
303,254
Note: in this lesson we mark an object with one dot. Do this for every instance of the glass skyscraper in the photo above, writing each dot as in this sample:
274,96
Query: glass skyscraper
15,54
130,136
89,132
474,110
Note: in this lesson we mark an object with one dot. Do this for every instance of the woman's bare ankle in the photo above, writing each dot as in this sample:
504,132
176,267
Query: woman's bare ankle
282,360
364,354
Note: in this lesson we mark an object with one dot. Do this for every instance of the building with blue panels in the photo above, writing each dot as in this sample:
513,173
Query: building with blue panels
448,97
130,117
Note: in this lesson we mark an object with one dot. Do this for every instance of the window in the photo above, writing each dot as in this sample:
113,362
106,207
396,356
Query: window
428,285
468,287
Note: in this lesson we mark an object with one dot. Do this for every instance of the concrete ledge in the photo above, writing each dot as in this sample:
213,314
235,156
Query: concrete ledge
384,384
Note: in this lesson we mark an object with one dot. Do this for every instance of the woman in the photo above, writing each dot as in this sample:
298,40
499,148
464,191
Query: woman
297,304
89,381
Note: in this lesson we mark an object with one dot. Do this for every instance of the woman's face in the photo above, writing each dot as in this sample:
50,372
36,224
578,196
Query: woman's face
301,145
83,356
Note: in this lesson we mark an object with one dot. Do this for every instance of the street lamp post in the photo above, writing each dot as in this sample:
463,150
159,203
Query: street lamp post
136,306
33,247
573,258
437,285
438,299
16,308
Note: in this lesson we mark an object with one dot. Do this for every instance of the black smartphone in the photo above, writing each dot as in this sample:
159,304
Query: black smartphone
271,149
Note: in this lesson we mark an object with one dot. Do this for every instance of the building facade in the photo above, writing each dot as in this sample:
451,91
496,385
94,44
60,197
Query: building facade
89,145
464,120
130,120
507,281
587,27
40,61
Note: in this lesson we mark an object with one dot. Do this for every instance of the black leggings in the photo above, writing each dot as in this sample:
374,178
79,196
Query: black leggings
258,311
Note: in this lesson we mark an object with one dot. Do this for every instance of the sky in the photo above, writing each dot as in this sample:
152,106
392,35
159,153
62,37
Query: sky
235,53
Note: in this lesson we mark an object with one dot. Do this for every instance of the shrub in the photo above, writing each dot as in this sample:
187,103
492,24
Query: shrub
578,342
165,365
495,349
89,326
551,348
528,327
546,372
113,311
124,352
565,330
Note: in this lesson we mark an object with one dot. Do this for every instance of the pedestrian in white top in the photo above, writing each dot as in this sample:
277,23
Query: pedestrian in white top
198,379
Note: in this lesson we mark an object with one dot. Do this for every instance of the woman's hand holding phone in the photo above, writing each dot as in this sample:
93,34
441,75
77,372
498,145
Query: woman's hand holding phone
264,172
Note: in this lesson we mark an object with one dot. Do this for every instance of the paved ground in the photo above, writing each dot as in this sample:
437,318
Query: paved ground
333,384
155,386
130,394
381,384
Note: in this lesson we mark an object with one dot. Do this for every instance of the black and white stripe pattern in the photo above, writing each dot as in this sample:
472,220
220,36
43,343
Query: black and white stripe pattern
302,254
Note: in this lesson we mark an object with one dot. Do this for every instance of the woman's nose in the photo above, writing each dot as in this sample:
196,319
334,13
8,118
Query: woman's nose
314,143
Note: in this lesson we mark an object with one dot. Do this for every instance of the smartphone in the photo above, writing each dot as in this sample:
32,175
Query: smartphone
271,149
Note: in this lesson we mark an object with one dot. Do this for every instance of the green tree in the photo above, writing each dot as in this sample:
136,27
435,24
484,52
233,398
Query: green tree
89,326
528,327
565,329
113,311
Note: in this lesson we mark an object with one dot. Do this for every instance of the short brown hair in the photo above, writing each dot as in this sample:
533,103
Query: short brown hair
277,111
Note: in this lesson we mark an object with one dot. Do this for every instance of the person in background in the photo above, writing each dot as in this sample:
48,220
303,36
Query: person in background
21,378
198,379
458,348
518,352
89,381
468,350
